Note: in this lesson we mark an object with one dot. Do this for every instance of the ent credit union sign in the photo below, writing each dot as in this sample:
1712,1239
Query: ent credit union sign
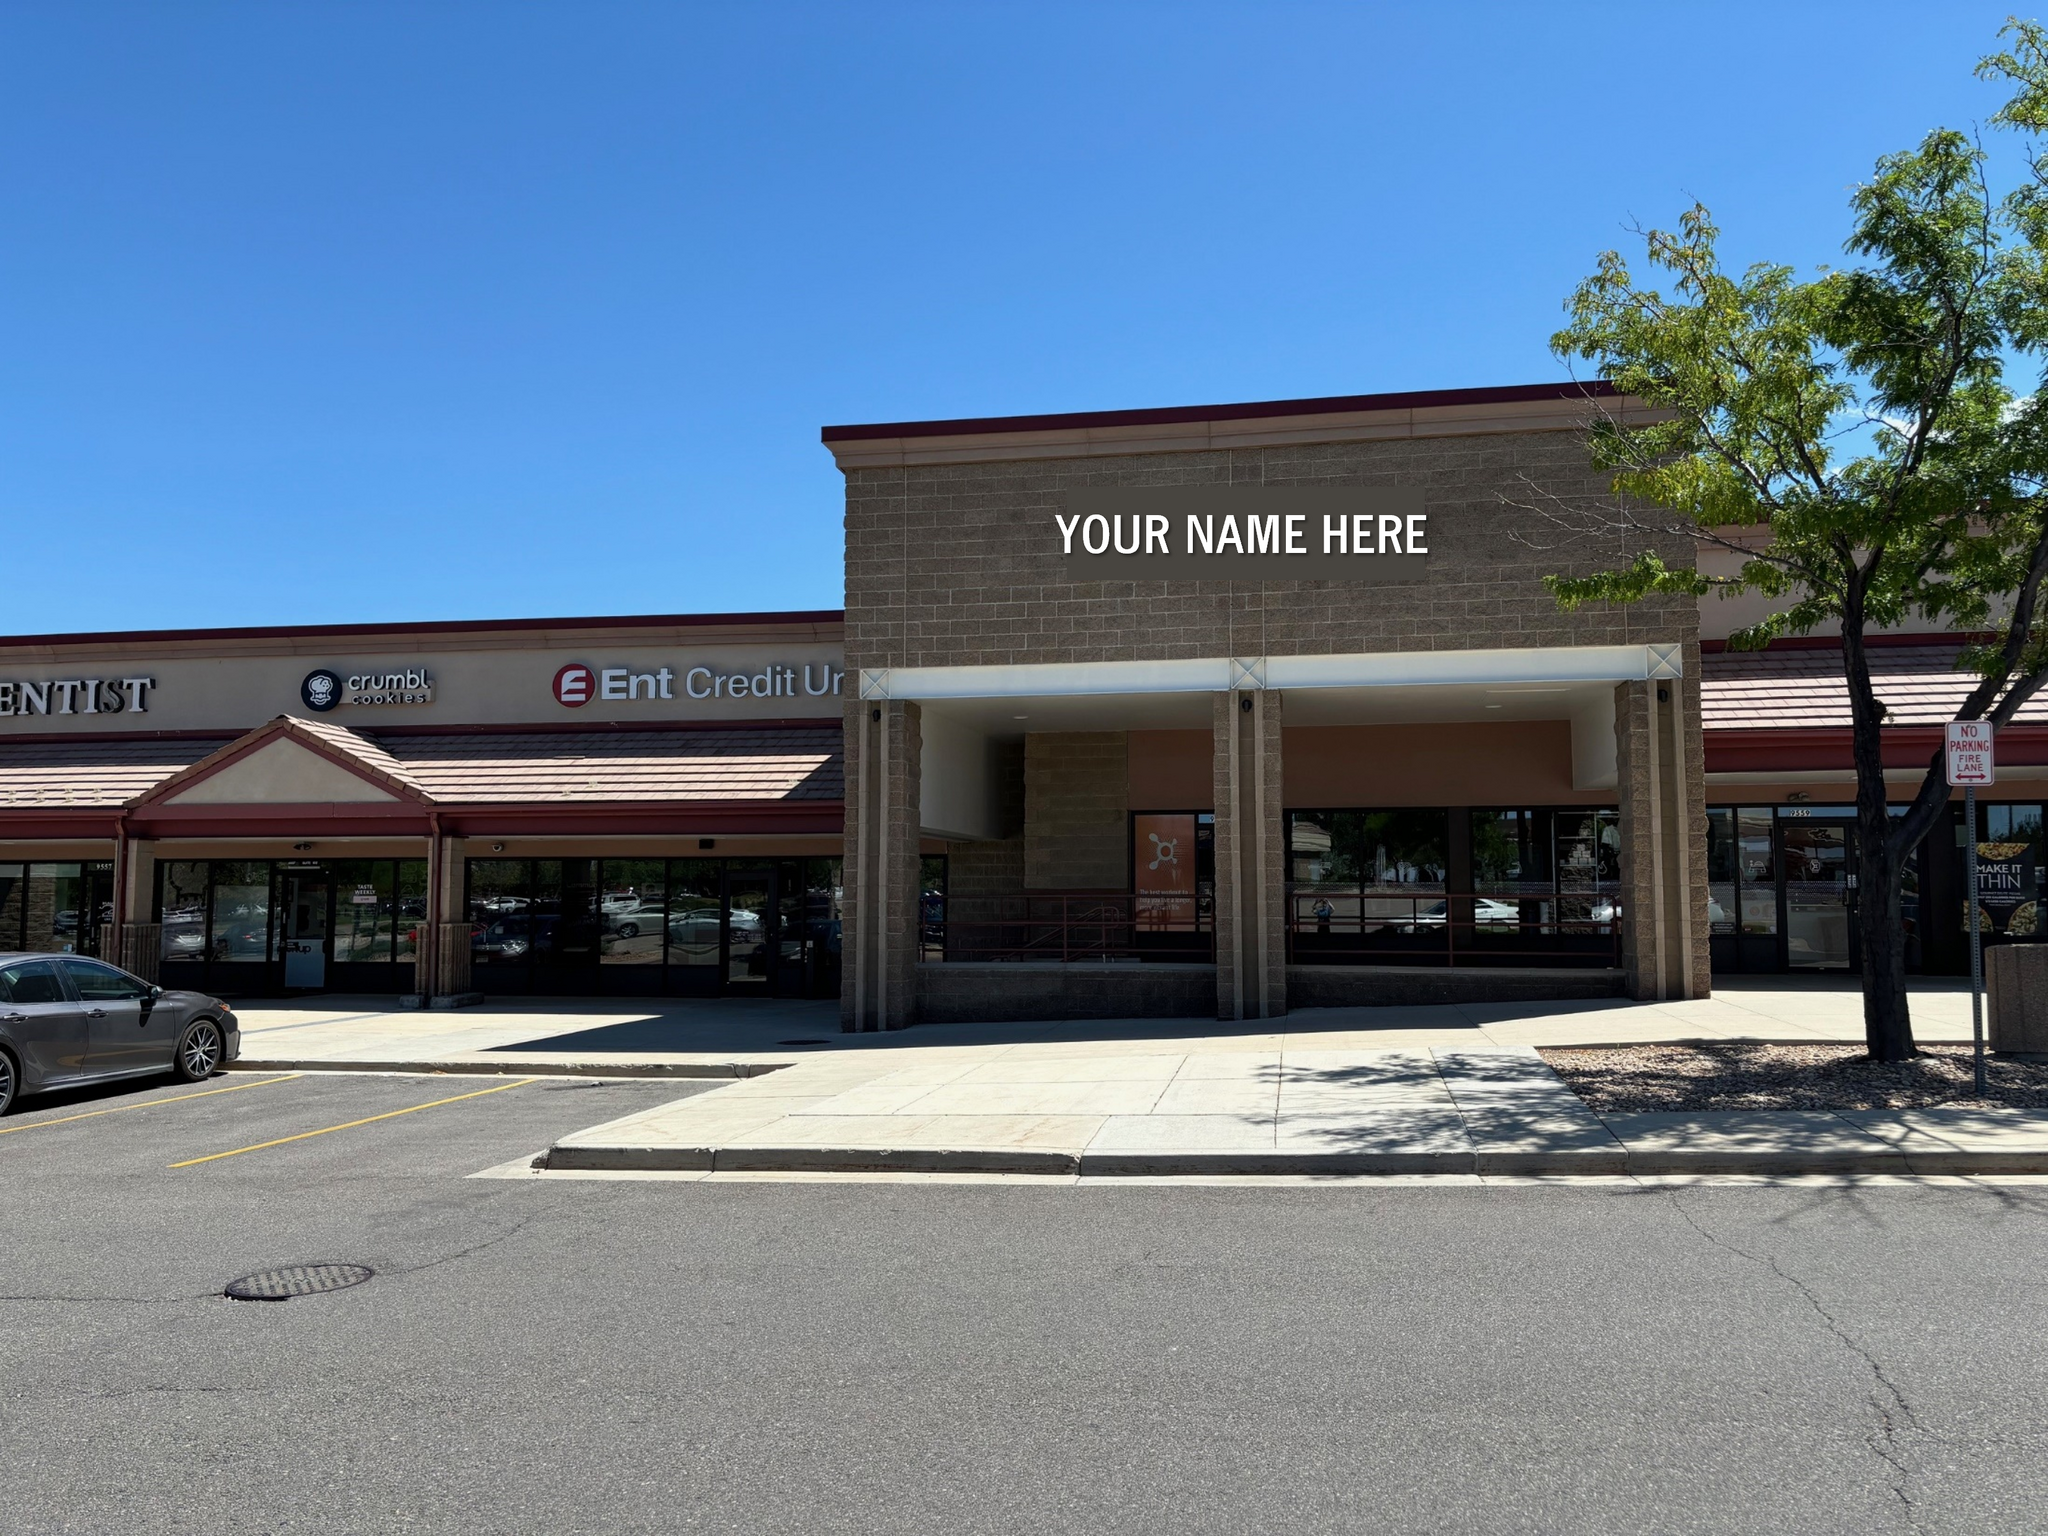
1244,533
577,684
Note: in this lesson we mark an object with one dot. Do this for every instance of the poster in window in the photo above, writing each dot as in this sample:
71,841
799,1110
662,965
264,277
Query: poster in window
2006,892
1163,869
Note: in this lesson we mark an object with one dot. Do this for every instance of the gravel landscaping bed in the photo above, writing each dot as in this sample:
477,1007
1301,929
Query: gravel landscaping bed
1742,1075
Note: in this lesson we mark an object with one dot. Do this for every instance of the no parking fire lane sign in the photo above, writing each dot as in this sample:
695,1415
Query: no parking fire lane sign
1969,754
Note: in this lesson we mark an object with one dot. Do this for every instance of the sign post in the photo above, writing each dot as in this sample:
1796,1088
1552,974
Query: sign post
1970,763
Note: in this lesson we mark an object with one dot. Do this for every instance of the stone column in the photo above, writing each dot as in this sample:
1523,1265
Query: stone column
442,969
880,921
1251,926
1661,755
137,942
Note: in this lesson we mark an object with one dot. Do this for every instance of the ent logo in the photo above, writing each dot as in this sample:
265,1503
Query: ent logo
1165,850
573,684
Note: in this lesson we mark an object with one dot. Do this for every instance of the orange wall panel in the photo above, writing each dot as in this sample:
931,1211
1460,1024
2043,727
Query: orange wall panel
1515,762
1171,771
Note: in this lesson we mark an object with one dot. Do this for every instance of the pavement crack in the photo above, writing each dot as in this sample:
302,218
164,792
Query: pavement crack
474,1248
1895,1416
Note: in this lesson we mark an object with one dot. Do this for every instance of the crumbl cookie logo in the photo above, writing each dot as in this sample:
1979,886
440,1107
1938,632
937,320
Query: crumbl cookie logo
573,685
324,688
321,691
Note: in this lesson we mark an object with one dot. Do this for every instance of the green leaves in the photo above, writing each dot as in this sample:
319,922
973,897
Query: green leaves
1851,435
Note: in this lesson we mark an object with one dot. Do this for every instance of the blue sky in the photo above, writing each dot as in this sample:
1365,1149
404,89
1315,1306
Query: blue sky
354,312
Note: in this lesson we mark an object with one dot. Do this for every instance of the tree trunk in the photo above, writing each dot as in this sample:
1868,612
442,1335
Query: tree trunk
1887,1023
1881,946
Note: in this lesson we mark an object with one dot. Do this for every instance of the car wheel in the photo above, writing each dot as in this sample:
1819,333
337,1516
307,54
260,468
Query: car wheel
10,1082
199,1052
629,930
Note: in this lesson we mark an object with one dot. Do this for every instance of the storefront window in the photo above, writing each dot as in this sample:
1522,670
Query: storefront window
500,911
1757,890
695,911
13,900
183,910
2008,872
1721,906
931,906
823,894
633,906
240,925
412,908
364,910
1367,884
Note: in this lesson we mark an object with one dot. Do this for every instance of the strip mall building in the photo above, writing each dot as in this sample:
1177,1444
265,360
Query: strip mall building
1233,709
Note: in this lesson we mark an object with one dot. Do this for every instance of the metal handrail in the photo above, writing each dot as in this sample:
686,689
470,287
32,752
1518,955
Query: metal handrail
1064,926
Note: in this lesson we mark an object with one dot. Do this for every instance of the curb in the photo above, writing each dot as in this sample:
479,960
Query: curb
723,1070
1599,1162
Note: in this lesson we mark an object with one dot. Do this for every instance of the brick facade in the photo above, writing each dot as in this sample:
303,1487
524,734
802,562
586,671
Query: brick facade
956,564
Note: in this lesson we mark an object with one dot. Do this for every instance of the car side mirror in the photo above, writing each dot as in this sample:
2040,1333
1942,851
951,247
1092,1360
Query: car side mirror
155,992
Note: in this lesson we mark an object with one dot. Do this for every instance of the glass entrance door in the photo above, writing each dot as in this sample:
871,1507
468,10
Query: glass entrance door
749,929
1818,875
308,915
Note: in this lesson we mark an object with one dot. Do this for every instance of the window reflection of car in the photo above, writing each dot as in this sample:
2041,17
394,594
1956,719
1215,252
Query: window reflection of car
184,934
629,922
517,936
1485,909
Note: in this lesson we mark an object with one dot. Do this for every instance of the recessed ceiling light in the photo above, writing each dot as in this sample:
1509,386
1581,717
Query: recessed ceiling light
1496,706
1020,717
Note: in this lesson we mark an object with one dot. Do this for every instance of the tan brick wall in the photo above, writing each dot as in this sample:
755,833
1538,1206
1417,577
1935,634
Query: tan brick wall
960,564
1077,803
878,988
1249,822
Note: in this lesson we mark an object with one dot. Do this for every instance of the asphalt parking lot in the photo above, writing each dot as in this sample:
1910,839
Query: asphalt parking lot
550,1354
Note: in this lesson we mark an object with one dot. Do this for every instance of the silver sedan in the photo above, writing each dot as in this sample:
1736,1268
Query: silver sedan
67,1020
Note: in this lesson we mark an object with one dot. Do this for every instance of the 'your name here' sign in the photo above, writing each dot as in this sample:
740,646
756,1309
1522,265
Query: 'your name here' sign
1243,533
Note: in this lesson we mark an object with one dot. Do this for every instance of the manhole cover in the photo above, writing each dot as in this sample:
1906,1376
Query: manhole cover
297,1280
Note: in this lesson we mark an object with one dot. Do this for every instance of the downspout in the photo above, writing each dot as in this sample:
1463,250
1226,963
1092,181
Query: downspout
121,903
430,937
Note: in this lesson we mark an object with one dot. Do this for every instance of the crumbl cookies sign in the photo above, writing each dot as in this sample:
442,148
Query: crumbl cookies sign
1244,533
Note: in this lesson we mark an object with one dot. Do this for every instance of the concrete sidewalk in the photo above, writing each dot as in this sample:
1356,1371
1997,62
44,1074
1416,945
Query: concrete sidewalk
733,1037
1454,1088
1446,1099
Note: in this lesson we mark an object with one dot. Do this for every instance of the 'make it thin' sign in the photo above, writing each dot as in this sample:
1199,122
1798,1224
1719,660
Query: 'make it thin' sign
1244,533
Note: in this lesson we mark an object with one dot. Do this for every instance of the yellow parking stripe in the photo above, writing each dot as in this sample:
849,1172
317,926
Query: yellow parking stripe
94,1114
352,1124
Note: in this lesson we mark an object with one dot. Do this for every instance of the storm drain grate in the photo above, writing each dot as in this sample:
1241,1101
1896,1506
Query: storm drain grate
296,1280
803,1042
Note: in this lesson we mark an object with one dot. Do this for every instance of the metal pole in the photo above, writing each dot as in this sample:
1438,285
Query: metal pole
1976,935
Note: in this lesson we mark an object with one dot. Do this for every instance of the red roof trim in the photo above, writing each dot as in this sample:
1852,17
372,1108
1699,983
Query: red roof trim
431,627
1834,642
1807,749
377,733
1327,405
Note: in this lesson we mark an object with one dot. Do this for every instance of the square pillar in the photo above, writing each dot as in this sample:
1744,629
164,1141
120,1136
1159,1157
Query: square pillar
1661,755
442,968
880,918
135,942
1251,890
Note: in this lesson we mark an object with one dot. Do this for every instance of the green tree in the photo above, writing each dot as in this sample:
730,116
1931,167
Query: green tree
1854,439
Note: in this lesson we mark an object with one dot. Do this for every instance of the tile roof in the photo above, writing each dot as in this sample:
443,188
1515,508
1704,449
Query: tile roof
90,775
361,749
1805,688
782,763
551,767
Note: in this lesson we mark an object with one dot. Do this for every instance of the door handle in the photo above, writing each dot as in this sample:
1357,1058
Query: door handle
13,1018
95,1013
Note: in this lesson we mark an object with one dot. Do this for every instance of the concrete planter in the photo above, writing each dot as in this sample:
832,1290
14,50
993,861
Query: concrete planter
2016,984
